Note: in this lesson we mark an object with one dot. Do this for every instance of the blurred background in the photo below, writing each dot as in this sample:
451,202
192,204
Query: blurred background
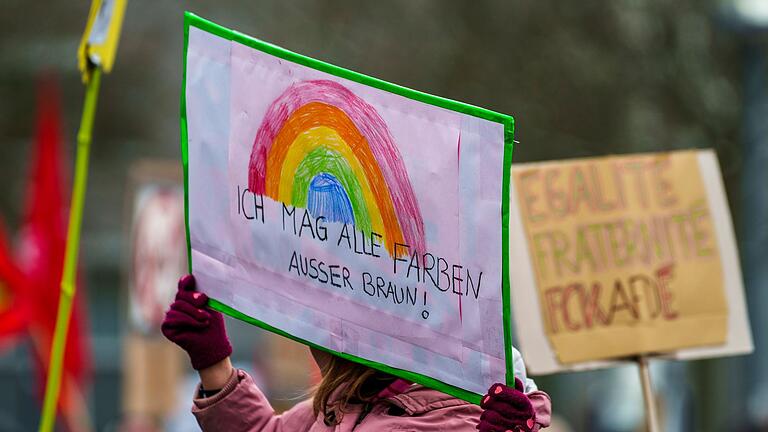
585,78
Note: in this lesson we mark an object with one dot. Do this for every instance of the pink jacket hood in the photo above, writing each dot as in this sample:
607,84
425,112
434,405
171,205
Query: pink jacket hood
241,407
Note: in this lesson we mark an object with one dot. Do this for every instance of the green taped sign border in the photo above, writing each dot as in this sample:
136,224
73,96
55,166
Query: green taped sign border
192,20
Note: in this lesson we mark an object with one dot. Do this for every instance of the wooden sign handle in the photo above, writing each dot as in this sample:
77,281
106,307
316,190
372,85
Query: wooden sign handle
651,418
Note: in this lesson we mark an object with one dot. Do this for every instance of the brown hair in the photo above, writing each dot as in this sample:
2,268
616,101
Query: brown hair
360,384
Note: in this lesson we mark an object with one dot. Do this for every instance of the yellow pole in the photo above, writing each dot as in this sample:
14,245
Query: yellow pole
69,273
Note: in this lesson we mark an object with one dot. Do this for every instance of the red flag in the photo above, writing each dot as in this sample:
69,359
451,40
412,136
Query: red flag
42,245
14,312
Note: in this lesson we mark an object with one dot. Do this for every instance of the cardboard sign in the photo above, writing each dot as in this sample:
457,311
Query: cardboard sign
622,256
346,212
152,371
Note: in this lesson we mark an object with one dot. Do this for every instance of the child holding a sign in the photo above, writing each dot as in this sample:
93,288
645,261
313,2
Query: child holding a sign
350,397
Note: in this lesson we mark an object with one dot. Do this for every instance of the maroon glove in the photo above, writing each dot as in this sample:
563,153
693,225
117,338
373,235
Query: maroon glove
506,409
195,328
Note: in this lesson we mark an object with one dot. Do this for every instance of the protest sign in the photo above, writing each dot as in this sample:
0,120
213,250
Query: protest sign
153,367
153,370
158,247
98,45
349,213
620,256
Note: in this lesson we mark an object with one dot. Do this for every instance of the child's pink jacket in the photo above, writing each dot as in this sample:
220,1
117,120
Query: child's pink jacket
241,407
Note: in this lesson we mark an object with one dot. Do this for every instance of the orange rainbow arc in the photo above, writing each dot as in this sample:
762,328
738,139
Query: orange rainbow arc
323,148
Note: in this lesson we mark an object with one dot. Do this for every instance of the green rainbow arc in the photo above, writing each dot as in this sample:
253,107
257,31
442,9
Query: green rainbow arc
324,160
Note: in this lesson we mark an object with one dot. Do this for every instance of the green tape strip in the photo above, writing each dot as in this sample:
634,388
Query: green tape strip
192,20
185,142
509,144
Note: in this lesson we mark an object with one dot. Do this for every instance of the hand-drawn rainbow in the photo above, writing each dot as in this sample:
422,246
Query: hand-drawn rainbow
323,148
